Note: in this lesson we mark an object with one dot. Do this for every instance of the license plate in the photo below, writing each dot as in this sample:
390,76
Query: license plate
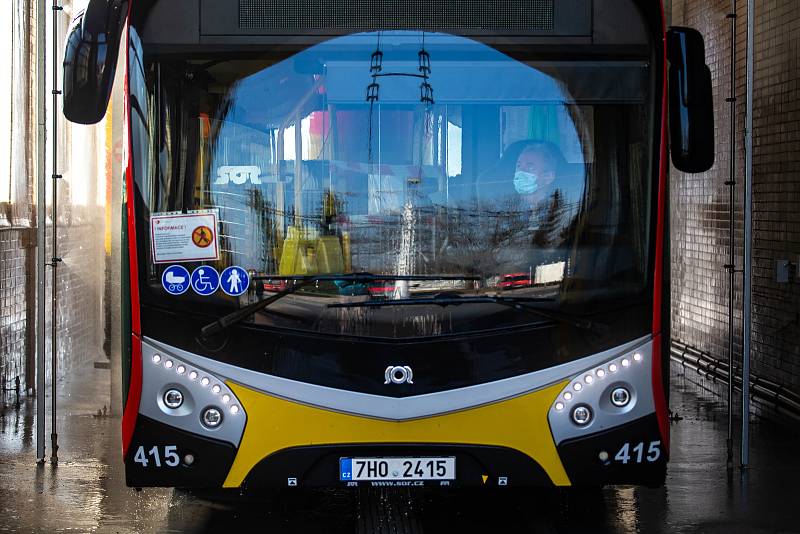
356,469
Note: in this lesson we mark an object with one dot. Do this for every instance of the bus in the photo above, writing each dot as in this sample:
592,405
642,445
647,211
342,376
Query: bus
320,200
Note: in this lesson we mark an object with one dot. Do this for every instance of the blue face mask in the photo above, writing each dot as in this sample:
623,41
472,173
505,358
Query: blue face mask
525,182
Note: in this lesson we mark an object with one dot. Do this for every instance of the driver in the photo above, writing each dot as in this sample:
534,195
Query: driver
535,201
535,171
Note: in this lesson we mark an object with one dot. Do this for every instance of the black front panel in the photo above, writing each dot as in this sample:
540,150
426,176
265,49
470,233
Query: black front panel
473,17
319,466
282,15
635,453
358,364
157,452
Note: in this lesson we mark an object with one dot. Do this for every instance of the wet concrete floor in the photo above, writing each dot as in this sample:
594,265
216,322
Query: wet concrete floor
85,492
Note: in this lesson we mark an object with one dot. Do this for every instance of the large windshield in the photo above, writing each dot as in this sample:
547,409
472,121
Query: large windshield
403,153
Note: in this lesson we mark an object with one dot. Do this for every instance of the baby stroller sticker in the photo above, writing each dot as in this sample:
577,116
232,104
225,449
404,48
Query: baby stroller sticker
175,280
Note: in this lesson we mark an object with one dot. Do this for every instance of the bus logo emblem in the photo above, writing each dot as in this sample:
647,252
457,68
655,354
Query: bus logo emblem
397,374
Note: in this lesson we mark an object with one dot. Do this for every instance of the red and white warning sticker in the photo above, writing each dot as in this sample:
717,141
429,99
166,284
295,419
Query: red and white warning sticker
181,237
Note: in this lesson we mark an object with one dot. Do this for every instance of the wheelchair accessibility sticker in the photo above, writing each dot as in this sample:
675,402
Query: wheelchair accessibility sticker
205,280
175,280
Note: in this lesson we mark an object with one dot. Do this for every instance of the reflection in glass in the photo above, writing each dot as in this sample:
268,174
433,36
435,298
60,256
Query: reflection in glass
530,175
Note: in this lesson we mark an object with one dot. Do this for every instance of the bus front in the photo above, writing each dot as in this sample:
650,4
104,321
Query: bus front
382,243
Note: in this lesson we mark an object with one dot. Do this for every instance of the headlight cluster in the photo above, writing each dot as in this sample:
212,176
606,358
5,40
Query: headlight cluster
575,398
211,417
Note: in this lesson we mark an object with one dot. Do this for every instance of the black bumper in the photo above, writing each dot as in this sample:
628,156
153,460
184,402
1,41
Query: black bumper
319,466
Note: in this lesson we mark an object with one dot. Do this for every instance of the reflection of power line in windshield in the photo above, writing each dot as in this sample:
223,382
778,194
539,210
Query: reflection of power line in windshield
373,88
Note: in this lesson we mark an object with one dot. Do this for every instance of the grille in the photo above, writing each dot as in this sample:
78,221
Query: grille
510,16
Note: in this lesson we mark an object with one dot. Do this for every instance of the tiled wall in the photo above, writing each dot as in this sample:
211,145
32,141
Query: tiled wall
700,234
14,281
81,226
79,297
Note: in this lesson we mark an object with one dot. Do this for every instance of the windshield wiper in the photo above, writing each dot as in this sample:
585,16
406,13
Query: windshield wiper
518,303
302,281
439,300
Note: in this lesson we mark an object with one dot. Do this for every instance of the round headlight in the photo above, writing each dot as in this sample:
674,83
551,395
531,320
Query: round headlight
173,398
620,397
211,417
582,415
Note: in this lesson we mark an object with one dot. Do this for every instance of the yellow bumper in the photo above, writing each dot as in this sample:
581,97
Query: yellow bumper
274,424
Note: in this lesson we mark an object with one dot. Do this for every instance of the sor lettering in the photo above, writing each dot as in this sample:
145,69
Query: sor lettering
238,174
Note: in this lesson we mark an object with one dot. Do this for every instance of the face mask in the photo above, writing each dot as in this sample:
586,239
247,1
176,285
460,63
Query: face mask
525,182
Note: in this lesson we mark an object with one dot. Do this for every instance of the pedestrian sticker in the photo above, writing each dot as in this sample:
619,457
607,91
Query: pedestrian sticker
234,281
205,280
202,236
175,280
182,237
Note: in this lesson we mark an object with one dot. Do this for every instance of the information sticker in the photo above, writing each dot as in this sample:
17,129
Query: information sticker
181,237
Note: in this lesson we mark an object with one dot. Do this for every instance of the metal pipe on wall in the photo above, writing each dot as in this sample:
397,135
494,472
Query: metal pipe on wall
56,9
41,222
764,391
748,236
731,265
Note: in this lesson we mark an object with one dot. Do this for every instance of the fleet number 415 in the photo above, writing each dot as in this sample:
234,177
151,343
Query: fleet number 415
169,456
638,454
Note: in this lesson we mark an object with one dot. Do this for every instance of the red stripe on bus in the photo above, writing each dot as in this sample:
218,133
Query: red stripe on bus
134,394
659,397
131,411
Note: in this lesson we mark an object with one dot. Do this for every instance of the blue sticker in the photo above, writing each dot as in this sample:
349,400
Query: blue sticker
345,469
205,280
234,281
175,280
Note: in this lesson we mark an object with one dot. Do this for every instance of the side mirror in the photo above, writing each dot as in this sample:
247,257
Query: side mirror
90,59
691,108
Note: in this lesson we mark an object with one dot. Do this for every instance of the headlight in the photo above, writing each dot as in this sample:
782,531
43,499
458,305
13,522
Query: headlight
582,415
173,398
211,417
620,397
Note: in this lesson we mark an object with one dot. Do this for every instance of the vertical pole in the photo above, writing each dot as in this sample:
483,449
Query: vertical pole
280,187
54,264
731,266
41,222
748,236
298,172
